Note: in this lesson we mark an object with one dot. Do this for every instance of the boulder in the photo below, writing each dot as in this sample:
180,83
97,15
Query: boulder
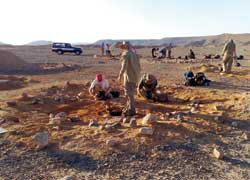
41,139
149,119
146,131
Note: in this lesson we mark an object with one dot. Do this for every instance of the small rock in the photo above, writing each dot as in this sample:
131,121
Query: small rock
180,117
125,120
217,154
217,118
219,108
101,127
59,99
10,119
25,97
133,123
75,119
193,110
173,113
81,95
111,143
41,139
149,119
11,103
37,101
234,124
56,121
146,131
115,125
51,115
62,115
167,114
56,128
245,136
93,123
67,178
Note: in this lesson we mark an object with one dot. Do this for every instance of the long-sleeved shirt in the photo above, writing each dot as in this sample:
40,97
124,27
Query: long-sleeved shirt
131,67
229,49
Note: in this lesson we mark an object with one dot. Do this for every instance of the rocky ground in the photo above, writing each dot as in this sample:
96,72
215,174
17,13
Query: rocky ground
77,137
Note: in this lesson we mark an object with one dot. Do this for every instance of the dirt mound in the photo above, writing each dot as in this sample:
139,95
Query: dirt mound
9,61
207,68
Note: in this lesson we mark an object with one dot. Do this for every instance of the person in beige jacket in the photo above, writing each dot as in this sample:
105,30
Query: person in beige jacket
228,53
130,71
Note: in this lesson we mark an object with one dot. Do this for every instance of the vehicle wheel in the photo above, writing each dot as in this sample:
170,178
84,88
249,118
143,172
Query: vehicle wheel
78,53
60,52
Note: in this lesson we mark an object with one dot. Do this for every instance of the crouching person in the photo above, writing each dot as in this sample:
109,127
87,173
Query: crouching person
99,88
147,88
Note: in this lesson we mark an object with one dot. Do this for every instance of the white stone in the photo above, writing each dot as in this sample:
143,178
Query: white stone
245,136
217,154
146,131
149,119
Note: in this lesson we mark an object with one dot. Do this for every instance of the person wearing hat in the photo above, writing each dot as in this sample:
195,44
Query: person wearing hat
130,71
228,53
147,86
99,88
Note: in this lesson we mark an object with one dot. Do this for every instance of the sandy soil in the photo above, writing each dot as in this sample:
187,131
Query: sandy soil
176,150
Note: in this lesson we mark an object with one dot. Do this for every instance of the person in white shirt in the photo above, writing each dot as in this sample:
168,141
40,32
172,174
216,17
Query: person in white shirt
99,88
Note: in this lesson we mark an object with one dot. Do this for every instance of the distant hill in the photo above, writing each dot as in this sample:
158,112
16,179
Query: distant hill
217,40
39,43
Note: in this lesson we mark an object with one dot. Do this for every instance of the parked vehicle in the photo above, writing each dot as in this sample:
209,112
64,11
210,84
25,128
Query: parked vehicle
61,48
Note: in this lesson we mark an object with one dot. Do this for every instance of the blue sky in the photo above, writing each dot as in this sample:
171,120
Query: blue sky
90,20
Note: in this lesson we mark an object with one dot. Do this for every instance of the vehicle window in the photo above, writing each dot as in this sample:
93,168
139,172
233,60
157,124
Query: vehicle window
67,45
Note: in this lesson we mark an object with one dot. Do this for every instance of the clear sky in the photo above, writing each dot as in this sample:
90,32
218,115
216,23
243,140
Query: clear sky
23,21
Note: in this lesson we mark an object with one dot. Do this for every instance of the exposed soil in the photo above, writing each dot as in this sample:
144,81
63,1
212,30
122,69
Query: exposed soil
176,150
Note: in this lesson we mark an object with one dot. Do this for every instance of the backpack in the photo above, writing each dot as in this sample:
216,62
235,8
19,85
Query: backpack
200,79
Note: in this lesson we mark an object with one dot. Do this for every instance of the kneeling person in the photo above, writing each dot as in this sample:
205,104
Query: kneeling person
99,88
147,86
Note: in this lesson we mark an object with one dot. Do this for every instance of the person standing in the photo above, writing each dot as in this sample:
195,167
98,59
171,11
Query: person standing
169,48
130,71
103,48
228,53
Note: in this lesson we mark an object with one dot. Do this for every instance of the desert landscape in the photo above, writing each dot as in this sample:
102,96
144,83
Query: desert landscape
200,133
